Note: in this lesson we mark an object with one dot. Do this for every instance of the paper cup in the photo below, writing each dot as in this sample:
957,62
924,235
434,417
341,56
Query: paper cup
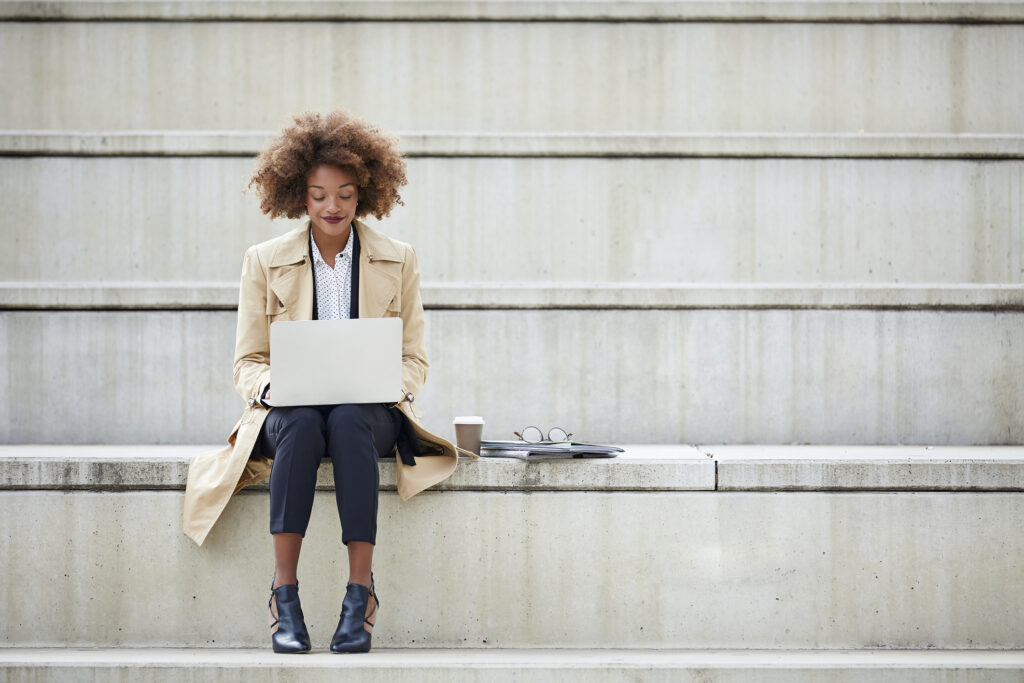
468,432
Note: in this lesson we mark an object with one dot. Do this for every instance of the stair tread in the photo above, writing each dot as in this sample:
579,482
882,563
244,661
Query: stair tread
500,10
549,658
642,467
534,295
425,143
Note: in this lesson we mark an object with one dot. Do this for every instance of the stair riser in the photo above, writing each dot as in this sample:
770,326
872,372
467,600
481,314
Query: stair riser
706,376
556,569
553,220
516,76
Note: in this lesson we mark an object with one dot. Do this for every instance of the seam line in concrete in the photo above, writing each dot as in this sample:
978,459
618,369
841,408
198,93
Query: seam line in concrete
98,296
518,489
556,145
771,11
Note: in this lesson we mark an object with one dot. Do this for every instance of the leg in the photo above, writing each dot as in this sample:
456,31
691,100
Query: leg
294,438
360,561
286,559
357,436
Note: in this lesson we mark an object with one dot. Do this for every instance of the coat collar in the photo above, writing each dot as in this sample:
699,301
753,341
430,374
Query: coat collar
380,272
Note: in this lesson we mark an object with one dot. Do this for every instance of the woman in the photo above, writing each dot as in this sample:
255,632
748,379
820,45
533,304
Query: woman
334,169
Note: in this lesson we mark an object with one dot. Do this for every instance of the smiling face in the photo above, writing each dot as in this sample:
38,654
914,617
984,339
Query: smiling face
331,198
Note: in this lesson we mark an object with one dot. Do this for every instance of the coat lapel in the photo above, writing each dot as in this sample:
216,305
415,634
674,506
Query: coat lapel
380,273
290,278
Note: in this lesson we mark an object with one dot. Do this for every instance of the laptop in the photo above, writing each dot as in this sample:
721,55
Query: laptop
324,362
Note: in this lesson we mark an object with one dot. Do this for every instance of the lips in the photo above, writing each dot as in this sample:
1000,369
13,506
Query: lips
333,220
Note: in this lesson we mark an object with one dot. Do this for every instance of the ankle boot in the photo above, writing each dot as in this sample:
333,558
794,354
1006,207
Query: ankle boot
350,635
291,635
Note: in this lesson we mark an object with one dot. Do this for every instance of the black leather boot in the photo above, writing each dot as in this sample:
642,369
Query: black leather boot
291,635
351,636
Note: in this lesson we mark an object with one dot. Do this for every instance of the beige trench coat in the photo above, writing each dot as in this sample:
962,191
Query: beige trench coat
277,284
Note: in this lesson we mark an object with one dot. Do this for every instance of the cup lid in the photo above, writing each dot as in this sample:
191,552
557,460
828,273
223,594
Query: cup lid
468,420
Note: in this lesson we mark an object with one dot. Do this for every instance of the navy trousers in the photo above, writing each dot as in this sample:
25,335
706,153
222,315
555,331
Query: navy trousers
353,436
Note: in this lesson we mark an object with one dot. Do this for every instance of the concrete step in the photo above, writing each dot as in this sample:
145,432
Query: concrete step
541,144
977,11
223,296
533,552
521,666
705,375
519,75
738,220
643,467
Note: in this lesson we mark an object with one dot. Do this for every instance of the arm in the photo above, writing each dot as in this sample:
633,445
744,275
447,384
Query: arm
414,351
252,337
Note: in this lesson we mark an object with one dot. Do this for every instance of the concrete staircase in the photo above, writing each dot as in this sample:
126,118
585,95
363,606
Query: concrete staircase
720,563
649,222
575,666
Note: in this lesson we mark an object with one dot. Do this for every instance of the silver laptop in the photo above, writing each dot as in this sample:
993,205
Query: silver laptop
320,362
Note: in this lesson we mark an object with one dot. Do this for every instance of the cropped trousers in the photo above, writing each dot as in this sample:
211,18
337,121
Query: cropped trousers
353,436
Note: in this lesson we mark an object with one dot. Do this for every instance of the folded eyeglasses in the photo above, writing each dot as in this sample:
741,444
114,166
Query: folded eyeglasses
533,434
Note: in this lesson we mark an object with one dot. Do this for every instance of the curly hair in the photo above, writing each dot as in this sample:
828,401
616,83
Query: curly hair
335,139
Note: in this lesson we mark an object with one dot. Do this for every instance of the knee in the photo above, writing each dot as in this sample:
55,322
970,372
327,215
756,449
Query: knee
348,418
298,429
299,418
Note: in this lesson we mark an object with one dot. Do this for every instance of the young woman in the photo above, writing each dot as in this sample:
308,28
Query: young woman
333,169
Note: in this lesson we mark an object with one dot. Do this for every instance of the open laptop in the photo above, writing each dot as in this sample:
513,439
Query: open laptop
321,362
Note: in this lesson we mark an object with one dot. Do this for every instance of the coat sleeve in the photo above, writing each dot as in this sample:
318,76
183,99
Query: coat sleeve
414,350
252,337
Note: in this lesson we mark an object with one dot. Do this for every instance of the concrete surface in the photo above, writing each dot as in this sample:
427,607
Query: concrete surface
99,295
131,468
700,376
525,10
441,666
643,467
599,145
517,76
835,468
695,220
559,569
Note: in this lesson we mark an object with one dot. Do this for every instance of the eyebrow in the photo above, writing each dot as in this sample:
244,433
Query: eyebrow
319,187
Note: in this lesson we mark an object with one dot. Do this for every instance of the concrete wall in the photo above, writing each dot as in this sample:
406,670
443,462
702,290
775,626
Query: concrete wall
650,376
550,219
903,146
545,569
516,75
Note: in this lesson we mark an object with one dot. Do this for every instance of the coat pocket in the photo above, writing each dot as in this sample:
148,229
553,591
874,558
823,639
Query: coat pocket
394,308
275,306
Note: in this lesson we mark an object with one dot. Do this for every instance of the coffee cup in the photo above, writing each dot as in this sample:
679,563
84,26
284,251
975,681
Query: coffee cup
468,432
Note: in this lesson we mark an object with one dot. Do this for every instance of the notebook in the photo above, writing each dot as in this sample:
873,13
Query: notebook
324,362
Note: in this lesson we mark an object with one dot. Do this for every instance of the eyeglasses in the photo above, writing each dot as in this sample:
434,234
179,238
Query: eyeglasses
535,435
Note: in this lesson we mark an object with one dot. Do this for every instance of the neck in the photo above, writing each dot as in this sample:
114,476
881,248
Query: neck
331,245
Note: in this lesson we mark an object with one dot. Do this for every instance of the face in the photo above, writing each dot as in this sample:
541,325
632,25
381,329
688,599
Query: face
331,198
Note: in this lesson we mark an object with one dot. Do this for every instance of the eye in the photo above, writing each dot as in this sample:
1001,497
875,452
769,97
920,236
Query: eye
347,198
319,199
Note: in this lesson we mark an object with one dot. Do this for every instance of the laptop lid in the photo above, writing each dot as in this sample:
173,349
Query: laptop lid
325,362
